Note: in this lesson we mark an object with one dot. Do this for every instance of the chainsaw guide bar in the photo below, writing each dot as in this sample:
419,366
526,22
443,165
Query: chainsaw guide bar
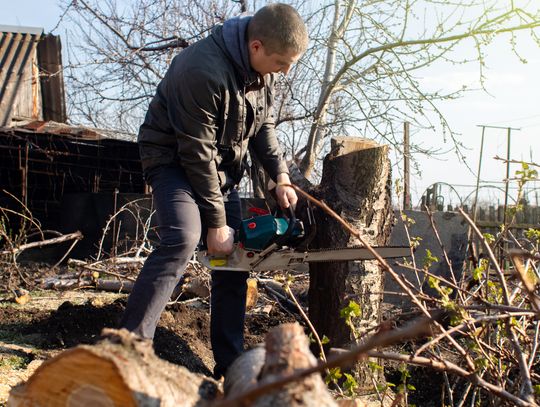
274,258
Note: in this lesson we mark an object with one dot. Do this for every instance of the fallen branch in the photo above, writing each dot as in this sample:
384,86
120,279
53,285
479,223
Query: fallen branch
86,266
77,235
99,284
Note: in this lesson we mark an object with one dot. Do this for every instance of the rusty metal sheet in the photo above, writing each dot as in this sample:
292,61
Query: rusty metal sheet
17,53
52,78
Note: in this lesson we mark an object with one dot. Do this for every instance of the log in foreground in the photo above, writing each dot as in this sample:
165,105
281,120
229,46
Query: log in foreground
286,350
121,370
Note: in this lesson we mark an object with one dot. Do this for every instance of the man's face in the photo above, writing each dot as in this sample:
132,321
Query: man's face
264,62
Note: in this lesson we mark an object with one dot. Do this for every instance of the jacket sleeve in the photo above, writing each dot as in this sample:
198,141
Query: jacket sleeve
194,104
265,144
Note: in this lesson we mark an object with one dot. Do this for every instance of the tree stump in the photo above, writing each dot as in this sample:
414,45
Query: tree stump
356,184
121,370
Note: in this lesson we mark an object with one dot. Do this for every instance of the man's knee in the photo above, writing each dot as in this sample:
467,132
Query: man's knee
180,239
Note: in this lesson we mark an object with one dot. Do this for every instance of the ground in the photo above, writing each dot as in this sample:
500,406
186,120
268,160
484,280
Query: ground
53,321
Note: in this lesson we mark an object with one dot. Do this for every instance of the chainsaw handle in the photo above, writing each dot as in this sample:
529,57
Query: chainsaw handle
291,215
291,224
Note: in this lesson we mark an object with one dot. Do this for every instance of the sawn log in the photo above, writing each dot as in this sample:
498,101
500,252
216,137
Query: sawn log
121,370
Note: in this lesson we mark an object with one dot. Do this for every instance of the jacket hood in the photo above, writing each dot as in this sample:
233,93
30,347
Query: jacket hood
234,34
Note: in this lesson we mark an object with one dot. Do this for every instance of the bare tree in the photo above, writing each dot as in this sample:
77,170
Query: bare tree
370,56
119,53
361,75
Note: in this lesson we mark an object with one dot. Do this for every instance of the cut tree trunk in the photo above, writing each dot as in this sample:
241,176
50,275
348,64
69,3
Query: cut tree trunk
121,370
286,350
356,184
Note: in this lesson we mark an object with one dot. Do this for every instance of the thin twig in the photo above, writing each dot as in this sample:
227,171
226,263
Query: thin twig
486,245
516,256
447,366
311,327
66,253
447,260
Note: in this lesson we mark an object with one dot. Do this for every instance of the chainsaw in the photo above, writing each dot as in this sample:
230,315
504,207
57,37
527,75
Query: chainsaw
267,242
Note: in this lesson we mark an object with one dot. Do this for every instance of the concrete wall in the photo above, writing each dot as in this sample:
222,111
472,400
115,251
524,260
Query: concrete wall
452,230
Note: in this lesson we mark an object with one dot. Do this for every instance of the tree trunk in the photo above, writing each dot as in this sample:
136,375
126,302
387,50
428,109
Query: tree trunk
356,183
119,371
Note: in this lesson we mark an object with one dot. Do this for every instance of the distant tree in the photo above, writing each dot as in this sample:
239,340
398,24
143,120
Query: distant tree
119,51
361,75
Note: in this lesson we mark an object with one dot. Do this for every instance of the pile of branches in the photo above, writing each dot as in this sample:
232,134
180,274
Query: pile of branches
20,231
489,330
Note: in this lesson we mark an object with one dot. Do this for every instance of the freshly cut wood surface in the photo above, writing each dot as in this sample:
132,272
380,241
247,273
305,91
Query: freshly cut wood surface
121,370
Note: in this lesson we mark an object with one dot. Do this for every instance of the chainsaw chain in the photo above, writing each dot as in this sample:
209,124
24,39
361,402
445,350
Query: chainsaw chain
330,249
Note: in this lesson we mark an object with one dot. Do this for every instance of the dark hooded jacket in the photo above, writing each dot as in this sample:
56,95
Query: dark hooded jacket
208,109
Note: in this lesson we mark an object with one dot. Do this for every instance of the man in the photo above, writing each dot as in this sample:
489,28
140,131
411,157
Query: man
215,101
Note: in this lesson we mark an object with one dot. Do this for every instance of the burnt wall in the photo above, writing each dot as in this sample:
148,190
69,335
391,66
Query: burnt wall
47,172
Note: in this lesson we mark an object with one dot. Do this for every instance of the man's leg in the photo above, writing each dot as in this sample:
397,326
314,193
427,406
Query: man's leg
228,303
179,229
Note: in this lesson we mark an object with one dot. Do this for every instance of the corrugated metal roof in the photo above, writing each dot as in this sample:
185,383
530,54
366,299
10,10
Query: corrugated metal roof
20,29
17,50
68,131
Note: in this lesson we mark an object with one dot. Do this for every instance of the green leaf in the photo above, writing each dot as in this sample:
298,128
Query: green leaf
325,340
429,259
489,238
381,387
374,366
477,273
351,310
350,383
333,375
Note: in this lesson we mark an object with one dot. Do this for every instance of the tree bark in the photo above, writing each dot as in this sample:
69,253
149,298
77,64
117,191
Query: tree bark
286,350
121,370
356,183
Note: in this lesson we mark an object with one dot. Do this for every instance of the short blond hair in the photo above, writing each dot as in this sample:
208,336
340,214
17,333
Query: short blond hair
280,28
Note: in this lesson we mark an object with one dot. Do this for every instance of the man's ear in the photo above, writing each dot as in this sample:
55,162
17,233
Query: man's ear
255,45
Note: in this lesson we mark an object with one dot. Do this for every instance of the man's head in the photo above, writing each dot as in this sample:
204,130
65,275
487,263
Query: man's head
277,38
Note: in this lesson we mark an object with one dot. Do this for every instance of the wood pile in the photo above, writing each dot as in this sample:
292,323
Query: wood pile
123,370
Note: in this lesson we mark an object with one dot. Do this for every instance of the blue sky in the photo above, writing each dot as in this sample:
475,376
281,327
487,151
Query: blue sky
513,100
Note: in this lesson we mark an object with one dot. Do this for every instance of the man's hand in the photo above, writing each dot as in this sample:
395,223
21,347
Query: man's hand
220,241
286,196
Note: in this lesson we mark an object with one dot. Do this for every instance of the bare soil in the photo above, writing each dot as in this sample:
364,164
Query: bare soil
54,321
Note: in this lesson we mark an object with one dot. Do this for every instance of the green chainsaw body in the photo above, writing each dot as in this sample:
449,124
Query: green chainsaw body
259,232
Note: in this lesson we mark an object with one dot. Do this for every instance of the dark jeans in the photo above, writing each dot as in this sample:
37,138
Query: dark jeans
180,228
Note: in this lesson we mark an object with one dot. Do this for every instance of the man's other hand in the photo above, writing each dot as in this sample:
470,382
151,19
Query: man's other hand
285,195
220,241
